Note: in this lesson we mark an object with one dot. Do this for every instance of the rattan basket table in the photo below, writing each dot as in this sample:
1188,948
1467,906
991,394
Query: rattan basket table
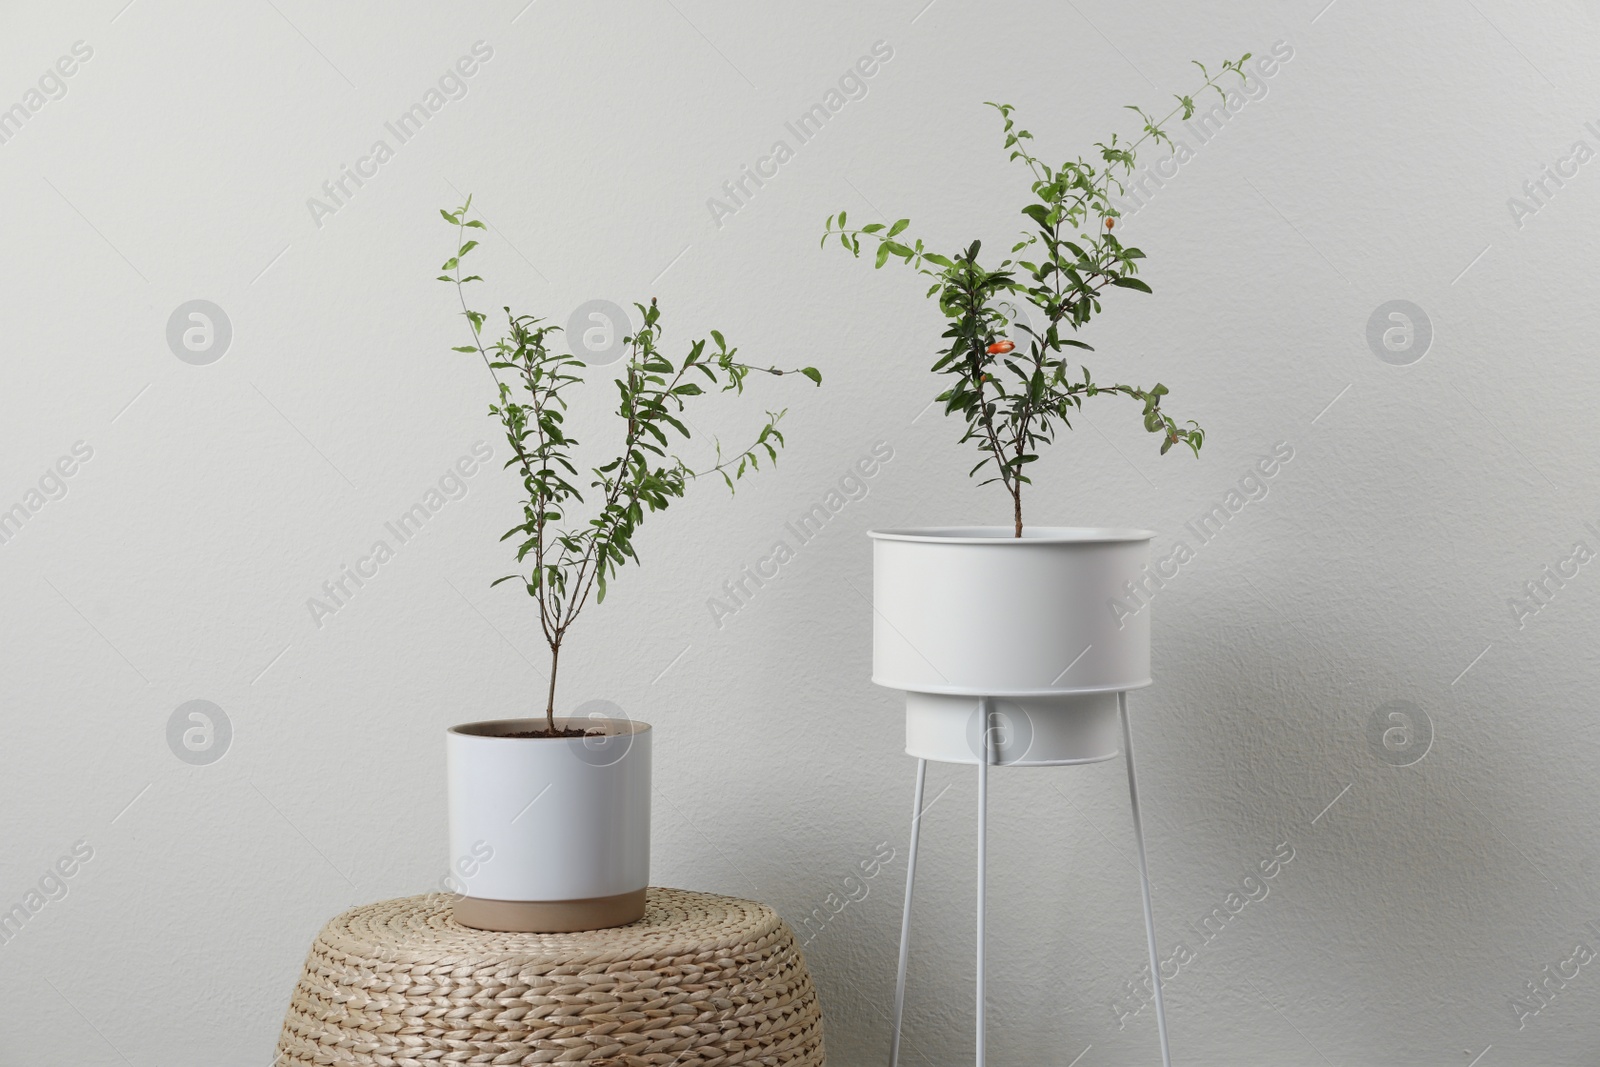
700,981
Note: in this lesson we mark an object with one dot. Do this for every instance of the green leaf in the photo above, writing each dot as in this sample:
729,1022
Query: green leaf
812,373
1131,283
899,227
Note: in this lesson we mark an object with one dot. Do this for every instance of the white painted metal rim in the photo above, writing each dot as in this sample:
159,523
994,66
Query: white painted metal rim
968,691
1006,535
1049,731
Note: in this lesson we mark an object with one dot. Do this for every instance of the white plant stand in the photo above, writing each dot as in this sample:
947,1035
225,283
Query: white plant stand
1046,632
986,707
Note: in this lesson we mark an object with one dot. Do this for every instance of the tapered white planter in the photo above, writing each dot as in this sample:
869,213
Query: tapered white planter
961,612
549,834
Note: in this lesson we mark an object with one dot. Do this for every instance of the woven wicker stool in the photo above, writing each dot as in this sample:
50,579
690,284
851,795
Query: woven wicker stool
700,981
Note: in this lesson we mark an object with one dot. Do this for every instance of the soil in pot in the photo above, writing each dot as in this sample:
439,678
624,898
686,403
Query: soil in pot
561,731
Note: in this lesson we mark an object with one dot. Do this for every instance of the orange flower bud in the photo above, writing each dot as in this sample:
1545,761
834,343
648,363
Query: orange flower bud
1000,348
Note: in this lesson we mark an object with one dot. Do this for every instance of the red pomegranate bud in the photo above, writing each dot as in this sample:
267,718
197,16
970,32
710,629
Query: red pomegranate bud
1000,348
1109,223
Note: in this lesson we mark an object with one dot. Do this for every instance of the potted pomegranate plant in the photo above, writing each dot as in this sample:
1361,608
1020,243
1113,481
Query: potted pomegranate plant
580,859
1011,642
1024,612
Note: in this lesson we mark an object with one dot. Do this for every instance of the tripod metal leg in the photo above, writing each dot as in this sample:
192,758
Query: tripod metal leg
983,848
905,916
1144,881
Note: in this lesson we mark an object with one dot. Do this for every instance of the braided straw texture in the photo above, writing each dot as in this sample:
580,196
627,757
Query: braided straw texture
700,981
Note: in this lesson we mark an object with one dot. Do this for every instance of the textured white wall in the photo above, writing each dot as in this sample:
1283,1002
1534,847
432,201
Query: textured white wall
208,503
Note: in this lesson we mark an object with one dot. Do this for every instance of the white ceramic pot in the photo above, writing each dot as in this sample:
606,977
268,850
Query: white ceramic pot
1052,624
549,834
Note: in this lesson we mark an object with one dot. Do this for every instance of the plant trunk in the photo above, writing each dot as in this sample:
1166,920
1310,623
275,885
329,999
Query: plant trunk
550,700
1016,508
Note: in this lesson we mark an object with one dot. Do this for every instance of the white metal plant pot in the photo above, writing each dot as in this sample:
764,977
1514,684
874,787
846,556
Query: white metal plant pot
1043,620
1012,652
549,834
